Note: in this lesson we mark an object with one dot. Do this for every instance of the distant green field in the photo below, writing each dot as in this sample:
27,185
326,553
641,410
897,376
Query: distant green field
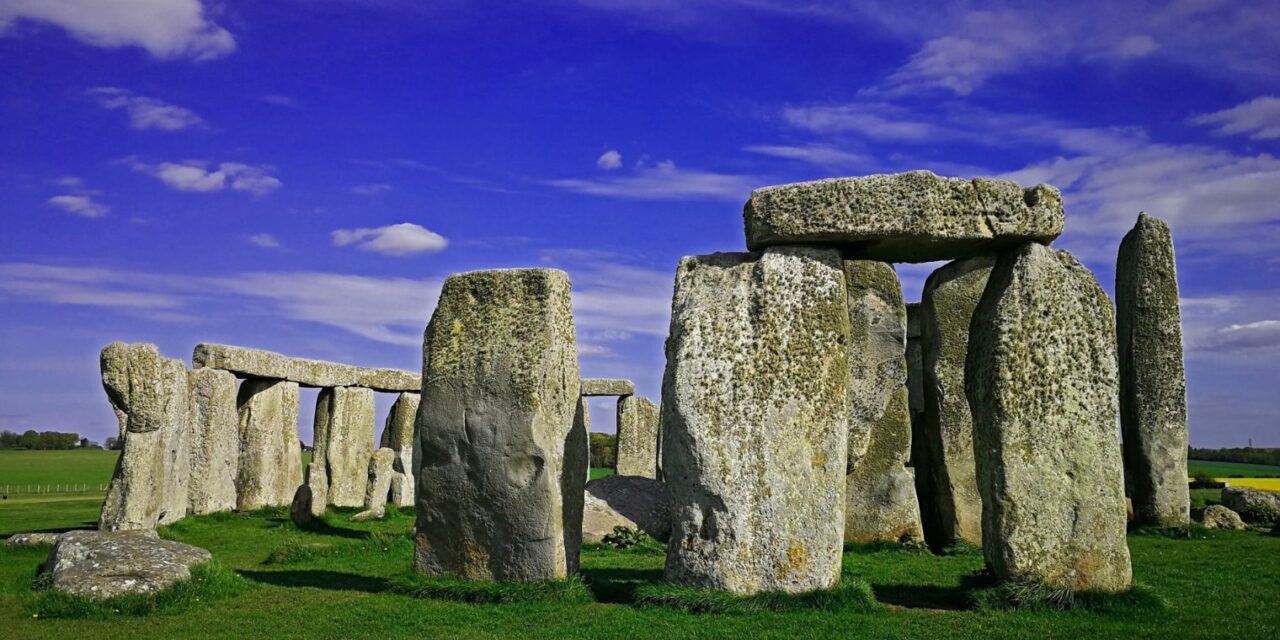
600,472
78,466
1230,469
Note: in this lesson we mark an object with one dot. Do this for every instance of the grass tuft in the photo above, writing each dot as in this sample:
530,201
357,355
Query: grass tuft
567,591
209,581
1137,601
851,595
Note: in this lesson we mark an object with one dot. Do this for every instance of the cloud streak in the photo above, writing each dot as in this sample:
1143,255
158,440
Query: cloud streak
663,181
167,29
200,177
146,113
401,239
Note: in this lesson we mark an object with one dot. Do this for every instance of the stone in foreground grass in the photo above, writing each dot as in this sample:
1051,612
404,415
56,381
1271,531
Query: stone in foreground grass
850,595
209,581
567,591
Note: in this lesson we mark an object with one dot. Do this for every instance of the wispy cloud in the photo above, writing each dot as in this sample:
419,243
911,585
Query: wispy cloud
663,181
609,160
199,176
375,189
1243,325
264,240
1258,118
167,29
821,155
401,239
144,112
280,100
80,205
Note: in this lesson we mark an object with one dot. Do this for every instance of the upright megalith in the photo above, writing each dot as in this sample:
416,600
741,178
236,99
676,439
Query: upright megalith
397,435
270,456
1153,387
755,414
946,481
213,440
378,484
502,466
345,417
148,393
915,368
1041,381
637,437
880,496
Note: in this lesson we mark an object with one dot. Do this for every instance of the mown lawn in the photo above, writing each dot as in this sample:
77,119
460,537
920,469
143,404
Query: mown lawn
341,582
1232,469
77,466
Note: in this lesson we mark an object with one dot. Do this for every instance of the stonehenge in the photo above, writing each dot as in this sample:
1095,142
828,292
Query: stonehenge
637,448
344,424
256,363
398,435
270,456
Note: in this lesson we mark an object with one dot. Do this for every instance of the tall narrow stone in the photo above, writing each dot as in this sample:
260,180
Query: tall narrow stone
214,440
755,413
397,435
148,394
270,456
950,501
345,416
378,485
1153,387
1041,379
879,492
915,368
637,437
502,459
318,484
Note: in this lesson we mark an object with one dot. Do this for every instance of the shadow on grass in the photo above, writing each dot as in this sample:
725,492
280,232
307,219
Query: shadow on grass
851,595
319,526
569,591
925,596
617,585
320,579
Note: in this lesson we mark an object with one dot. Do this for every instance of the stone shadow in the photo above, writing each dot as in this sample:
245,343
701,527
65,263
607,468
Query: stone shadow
959,597
618,585
320,579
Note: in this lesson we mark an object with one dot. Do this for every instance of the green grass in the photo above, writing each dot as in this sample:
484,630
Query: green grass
1233,469
76,466
20,514
345,579
600,472
209,582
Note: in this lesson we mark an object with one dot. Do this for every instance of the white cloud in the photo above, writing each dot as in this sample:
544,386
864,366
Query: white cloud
167,29
1234,326
195,176
280,100
264,240
70,182
371,189
1258,118
80,205
1135,46
664,181
821,155
393,240
146,113
609,160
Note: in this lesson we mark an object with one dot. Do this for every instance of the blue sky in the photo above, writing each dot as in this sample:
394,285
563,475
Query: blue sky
301,175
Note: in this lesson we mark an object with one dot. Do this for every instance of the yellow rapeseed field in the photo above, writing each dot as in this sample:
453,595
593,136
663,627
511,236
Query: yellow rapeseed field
1271,484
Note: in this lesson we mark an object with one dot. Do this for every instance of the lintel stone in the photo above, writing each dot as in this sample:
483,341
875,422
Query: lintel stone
257,363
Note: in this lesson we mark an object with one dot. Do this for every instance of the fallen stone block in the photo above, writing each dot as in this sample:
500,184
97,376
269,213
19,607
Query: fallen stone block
634,502
100,564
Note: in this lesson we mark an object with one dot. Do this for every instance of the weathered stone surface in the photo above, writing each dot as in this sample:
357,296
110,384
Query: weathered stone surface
270,456
213,440
1217,516
256,363
915,364
1042,383
626,501
300,509
379,484
31,539
148,393
502,459
1153,387
755,414
880,493
398,435
100,564
946,483
905,217
1253,505
637,444
607,387
345,416
319,486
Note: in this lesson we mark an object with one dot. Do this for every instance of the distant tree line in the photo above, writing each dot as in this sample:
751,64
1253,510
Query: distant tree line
44,440
1249,455
603,450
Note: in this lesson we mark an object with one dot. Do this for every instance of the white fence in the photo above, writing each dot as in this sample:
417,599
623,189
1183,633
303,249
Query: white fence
63,488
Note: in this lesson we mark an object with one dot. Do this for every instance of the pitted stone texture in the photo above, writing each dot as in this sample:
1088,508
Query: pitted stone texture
637,437
148,393
345,416
1254,505
1217,516
1042,383
99,564
31,539
502,458
270,456
397,434
257,363
607,387
1153,387
880,493
379,484
905,217
946,482
755,414
634,502
213,440
877,343
915,364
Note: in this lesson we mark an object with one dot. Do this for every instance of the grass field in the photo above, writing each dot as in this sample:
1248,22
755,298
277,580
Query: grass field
77,466
1228,470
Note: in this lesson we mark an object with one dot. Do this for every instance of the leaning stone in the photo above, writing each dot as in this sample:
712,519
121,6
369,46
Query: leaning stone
756,418
214,441
345,416
398,435
905,217
607,387
945,478
634,502
300,509
270,456
99,564
1041,379
31,539
1153,387
379,485
256,363
503,461
637,444
1217,516
148,393
1253,505
881,500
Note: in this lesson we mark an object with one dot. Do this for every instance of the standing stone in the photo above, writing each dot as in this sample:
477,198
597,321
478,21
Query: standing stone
398,435
345,415
270,456
503,464
148,394
378,485
881,503
301,509
637,437
755,410
214,440
1153,387
318,485
1042,382
915,369
945,477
